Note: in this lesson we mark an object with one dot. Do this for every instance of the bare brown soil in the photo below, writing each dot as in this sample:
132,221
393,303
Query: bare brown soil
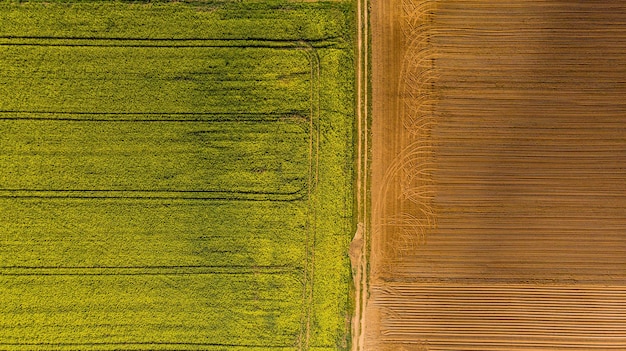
498,176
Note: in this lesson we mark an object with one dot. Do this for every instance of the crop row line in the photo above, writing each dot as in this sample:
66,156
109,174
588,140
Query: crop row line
102,38
147,195
145,46
286,113
146,191
211,117
234,43
145,270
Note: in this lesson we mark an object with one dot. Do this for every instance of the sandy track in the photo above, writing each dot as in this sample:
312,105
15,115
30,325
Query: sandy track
499,204
358,247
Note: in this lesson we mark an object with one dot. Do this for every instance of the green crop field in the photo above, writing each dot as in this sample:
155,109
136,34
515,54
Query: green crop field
176,175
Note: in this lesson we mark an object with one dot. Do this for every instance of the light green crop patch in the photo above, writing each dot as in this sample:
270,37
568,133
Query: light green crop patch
175,175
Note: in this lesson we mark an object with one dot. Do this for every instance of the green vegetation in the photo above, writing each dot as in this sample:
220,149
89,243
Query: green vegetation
152,79
175,175
219,157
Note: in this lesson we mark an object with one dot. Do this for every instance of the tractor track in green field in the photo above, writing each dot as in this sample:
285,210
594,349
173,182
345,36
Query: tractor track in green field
144,270
216,117
120,42
314,138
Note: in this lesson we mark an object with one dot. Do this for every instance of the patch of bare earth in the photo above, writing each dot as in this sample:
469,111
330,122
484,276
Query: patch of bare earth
498,177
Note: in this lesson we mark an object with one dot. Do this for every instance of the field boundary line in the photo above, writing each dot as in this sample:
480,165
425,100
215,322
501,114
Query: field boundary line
359,248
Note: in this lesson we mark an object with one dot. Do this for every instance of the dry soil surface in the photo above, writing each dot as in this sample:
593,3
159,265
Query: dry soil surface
498,176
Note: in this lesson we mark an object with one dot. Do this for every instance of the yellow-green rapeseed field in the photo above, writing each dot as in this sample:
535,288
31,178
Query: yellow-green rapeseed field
176,175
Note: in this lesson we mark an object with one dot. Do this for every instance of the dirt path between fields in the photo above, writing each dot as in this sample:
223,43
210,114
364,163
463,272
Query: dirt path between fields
360,242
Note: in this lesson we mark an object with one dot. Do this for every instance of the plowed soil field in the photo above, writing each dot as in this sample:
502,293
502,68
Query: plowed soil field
498,192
